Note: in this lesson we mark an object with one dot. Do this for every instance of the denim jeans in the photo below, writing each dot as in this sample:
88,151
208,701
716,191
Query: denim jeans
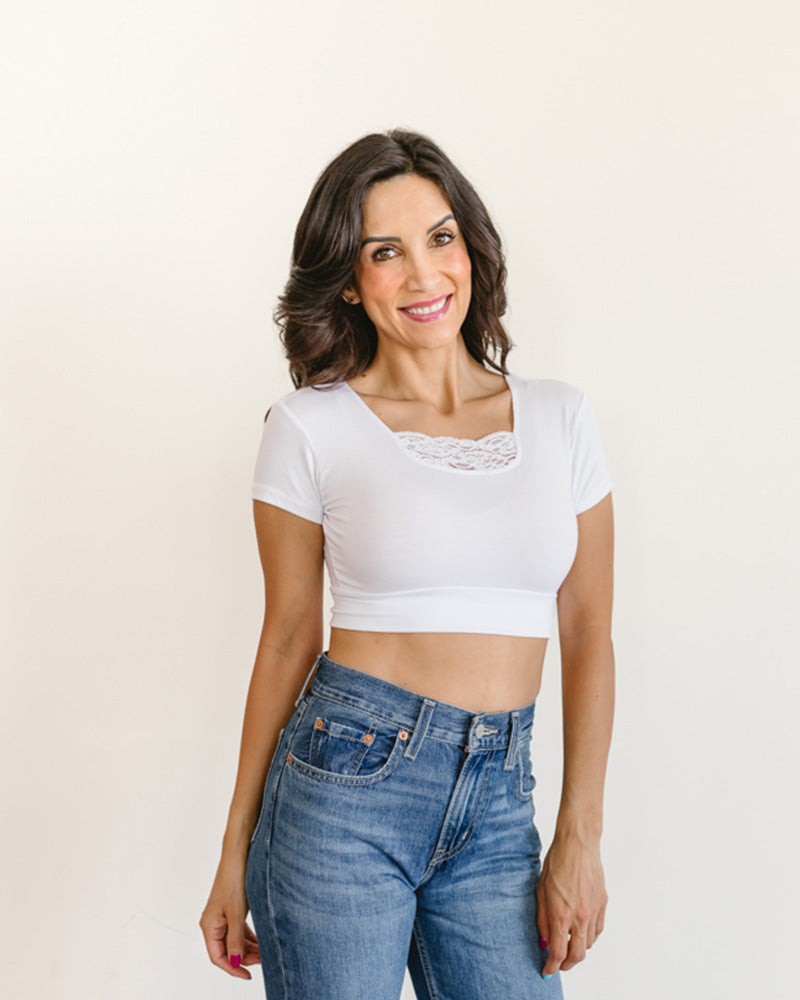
397,831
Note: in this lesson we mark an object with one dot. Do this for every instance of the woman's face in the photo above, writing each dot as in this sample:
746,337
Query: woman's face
413,274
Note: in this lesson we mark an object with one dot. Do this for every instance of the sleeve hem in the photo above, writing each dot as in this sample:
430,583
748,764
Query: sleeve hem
273,496
594,498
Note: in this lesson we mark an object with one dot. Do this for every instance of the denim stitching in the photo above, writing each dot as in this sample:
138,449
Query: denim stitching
358,747
305,682
424,961
383,771
511,749
518,784
420,730
300,709
477,815
334,696
323,692
318,689
265,800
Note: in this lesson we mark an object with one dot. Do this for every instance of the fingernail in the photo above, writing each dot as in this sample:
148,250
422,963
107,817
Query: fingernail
542,941
235,959
548,976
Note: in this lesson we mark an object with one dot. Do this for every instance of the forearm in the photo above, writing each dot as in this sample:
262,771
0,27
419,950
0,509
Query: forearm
277,677
587,668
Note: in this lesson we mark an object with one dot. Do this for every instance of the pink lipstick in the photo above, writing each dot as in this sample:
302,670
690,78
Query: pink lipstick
427,312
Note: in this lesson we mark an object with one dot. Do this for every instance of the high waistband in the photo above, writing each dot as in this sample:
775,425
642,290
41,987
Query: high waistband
474,730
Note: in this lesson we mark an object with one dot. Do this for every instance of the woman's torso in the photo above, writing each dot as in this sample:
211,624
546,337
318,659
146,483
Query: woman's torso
482,673
444,578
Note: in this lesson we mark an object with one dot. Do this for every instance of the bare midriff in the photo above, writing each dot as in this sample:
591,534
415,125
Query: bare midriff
478,672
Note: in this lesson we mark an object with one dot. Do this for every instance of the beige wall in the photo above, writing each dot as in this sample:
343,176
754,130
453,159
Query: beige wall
641,161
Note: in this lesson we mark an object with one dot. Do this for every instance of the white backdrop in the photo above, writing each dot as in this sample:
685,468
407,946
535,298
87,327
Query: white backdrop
641,163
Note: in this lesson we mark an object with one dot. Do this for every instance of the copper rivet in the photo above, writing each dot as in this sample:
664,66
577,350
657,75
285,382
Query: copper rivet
288,756
403,734
368,737
318,723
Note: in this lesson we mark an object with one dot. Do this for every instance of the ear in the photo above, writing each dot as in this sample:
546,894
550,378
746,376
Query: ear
351,296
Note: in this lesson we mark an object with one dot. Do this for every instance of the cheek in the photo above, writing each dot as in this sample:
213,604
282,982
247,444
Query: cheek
461,265
375,285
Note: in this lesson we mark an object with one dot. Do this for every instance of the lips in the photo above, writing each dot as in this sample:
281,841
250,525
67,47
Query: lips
424,312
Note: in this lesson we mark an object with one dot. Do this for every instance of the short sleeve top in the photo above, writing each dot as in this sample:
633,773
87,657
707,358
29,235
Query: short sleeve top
416,547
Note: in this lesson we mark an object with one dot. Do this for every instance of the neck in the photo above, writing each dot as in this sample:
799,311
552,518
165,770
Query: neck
444,378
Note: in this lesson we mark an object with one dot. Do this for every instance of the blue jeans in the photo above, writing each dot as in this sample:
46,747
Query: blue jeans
397,830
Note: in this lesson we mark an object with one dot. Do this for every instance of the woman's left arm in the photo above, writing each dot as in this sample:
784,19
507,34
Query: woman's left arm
571,893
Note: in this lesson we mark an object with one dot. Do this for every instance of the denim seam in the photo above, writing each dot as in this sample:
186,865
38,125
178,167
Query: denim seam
325,693
318,688
424,961
383,772
305,682
300,712
358,749
518,784
420,729
265,801
477,813
511,749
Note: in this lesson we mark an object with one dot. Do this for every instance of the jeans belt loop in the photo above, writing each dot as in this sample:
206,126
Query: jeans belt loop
420,728
508,762
308,678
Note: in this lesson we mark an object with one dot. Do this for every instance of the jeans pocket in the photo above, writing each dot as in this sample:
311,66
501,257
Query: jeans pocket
344,743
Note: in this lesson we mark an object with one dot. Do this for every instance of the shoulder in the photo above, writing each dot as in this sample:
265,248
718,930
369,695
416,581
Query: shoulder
548,388
549,395
311,405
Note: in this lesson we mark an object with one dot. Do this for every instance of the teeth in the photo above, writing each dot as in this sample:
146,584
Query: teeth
426,310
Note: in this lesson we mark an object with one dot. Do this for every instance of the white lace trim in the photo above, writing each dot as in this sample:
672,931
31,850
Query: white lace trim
494,451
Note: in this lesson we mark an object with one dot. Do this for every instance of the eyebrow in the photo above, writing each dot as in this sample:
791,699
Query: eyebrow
396,239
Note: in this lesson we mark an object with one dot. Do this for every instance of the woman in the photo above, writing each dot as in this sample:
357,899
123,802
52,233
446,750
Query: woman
382,814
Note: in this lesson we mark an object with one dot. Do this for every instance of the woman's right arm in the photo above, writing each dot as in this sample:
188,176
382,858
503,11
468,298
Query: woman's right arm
291,552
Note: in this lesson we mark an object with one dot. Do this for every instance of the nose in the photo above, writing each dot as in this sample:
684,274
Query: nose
421,272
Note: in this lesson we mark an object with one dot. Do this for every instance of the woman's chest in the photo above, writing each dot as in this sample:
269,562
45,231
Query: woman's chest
400,523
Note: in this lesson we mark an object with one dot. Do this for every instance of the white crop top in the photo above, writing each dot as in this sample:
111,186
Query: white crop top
417,544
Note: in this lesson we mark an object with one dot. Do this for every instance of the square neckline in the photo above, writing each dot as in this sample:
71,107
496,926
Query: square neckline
514,432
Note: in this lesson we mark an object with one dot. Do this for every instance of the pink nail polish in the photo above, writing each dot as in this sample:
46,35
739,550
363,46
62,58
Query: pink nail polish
235,960
542,942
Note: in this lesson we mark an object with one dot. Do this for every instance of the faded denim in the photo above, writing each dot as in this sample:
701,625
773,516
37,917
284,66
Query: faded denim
397,830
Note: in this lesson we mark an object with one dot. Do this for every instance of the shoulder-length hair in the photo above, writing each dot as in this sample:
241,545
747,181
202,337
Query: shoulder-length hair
327,340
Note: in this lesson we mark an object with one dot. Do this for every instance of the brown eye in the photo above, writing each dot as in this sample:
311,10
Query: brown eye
443,237
383,253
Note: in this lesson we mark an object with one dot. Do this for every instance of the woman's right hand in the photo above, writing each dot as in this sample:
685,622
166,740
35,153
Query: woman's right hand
223,922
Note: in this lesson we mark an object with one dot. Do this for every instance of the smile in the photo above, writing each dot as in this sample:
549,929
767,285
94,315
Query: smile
427,311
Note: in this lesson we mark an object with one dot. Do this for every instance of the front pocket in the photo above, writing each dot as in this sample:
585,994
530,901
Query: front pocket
343,748
341,743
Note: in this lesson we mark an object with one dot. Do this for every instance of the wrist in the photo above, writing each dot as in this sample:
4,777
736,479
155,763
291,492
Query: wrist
584,825
239,828
235,846
231,871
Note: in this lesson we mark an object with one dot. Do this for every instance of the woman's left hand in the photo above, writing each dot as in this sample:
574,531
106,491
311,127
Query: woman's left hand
572,901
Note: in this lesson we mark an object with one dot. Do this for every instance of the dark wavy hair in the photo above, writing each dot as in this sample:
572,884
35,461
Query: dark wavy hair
326,340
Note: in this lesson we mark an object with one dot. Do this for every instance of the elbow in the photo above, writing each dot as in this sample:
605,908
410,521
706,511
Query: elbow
589,645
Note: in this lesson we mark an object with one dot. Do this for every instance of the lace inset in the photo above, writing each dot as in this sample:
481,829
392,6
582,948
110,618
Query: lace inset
494,451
